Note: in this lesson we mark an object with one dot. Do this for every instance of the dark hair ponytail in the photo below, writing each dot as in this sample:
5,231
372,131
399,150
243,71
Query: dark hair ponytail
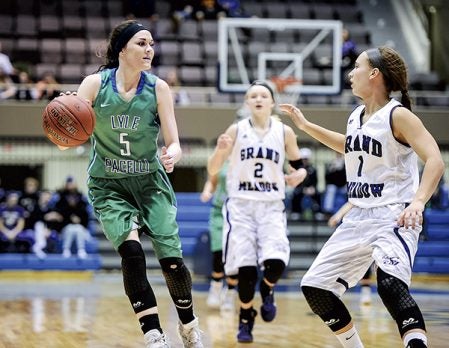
405,99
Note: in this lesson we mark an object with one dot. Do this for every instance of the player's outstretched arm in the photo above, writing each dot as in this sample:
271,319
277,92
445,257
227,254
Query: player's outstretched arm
222,150
334,140
294,176
335,219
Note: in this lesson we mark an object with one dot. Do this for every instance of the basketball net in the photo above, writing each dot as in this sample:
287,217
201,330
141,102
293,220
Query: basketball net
285,94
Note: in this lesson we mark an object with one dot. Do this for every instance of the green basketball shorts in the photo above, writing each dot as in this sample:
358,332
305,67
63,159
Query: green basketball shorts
146,202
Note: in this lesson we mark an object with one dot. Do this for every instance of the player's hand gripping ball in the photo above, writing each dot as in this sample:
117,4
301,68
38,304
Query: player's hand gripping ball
68,120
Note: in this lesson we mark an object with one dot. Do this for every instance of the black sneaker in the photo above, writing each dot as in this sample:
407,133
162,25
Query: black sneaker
268,308
245,329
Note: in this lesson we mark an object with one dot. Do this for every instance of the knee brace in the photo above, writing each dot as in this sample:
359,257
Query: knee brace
217,262
179,281
247,283
135,281
400,304
273,270
328,307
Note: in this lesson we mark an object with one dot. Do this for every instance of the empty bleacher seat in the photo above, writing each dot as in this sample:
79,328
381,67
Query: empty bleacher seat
192,217
51,51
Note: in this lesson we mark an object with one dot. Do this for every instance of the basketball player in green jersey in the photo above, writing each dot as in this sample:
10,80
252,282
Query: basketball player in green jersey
218,297
128,185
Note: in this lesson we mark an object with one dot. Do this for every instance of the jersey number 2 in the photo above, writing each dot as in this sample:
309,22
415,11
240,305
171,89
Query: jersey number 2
258,170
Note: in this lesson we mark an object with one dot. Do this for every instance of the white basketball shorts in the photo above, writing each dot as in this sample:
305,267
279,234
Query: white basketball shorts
253,231
364,235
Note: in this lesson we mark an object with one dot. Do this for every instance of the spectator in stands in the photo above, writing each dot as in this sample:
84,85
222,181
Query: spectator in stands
180,11
73,207
46,224
26,89
209,9
7,87
13,236
29,198
381,146
128,184
180,95
349,55
47,88
255,231
306,197
215,189
233,8
5,63
335,184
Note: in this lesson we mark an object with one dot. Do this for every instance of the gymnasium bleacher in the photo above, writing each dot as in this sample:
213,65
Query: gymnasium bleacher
63,35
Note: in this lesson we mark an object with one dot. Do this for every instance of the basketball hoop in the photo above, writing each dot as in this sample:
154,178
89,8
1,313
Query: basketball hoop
282,84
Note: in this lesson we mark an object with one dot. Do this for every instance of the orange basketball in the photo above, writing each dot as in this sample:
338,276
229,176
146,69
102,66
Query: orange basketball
68,120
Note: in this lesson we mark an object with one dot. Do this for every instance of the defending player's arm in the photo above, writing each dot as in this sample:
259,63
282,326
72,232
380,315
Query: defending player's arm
334,140
222,150
296,172
335,219
209,188
171,153
409,129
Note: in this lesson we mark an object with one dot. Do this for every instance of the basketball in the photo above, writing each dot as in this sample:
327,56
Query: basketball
68,120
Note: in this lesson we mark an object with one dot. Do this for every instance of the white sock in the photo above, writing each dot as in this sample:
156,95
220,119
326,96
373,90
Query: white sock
411,335
350,339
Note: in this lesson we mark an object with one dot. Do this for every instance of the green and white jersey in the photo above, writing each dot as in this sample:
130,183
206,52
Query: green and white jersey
220,193
124,141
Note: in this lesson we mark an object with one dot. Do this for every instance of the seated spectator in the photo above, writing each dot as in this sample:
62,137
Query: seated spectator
5,63
47,88
180,11
349,55
306,198
13,236
7,87
73,207
29,198
209,9
335,184
26,89
233,8
46,224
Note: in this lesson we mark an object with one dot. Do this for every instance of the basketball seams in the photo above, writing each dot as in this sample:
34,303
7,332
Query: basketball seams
61,128
53,131
73,115
65,120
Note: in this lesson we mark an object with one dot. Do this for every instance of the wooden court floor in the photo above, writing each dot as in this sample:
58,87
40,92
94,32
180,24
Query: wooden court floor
86,310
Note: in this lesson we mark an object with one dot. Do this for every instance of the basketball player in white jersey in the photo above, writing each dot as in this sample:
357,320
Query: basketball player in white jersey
255,230
382,142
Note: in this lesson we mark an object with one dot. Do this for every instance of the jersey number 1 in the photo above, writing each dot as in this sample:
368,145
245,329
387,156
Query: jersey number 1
359,171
